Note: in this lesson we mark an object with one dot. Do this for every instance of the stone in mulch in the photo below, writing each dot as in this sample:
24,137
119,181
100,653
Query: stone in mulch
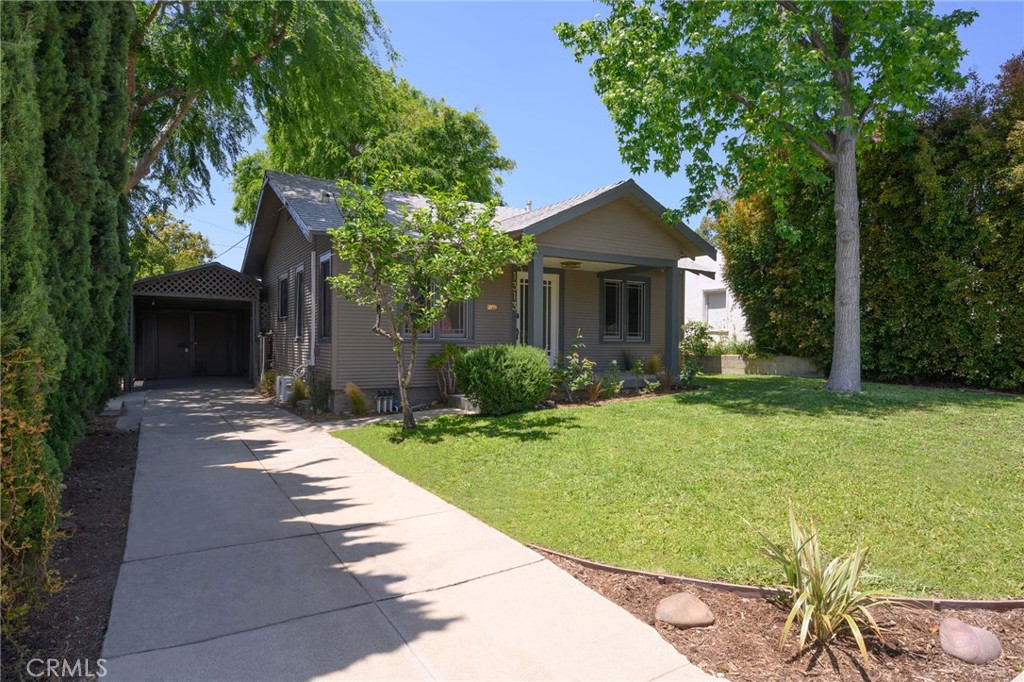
968,643
684,610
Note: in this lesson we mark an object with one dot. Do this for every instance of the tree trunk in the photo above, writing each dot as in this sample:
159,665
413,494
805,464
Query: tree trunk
845,374
408,419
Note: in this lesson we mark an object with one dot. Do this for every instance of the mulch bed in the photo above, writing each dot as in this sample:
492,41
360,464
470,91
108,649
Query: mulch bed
743,645
72,622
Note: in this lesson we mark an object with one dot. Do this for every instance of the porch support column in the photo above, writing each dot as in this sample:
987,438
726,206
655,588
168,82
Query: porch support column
535,308
672,319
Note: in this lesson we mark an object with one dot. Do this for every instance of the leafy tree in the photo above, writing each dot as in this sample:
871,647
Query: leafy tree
789,87
400,127
160,244
412,264
195,71
943,240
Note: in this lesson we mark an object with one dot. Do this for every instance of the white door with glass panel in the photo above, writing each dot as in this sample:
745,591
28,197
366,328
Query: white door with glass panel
549,319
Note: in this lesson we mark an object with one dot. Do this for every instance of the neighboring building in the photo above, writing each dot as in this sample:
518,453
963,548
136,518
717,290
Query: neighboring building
606,264
708,300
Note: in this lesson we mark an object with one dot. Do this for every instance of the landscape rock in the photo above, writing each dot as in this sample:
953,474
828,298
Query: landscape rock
684,611
968,643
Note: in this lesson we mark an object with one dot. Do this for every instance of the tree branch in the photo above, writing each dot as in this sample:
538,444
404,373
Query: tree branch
158,144
131,70
811,142
815,40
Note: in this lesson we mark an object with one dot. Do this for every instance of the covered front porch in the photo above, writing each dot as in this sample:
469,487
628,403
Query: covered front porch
624,308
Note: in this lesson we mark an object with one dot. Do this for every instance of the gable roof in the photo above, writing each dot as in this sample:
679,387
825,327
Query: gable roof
312,204
551,216
209,281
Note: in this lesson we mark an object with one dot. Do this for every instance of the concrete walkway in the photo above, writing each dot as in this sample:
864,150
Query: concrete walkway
261,548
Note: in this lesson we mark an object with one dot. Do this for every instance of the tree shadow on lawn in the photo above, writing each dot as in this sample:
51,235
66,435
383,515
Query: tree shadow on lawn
766,396
524,427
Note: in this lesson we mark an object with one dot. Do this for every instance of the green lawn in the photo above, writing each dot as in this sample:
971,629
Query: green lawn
931,479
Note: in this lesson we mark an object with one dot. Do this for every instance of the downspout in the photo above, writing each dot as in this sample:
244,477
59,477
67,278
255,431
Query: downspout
313,290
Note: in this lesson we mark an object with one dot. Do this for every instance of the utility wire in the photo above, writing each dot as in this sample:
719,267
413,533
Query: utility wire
231,247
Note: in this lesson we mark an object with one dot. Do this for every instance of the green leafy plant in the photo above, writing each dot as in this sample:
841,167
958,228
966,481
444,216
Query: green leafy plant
358,403
320,394
612,380
575,370
733,346
694,342
300,391
503,379
825,596
268,383
639,376
442,363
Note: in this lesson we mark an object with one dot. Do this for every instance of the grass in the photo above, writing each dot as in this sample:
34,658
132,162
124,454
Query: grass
931,479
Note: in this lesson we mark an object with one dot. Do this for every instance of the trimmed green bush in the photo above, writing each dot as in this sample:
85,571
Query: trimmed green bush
504,379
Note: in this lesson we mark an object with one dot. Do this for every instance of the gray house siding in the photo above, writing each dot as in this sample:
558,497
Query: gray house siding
582,312
288,252
362,357
623,227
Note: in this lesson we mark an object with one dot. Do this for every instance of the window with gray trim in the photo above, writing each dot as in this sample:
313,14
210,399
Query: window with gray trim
323,314
625,314
282,297
300,301
455,323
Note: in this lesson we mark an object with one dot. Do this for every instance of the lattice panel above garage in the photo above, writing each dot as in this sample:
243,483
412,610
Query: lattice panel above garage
212,281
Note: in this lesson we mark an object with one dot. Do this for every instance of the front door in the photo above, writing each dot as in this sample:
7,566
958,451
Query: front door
549,318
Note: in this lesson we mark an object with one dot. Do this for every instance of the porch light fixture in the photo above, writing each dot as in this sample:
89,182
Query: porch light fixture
570,264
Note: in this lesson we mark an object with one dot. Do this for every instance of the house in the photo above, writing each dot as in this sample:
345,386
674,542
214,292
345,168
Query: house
606,264
709,300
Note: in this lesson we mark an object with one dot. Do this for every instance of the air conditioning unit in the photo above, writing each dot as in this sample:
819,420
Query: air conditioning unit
284,389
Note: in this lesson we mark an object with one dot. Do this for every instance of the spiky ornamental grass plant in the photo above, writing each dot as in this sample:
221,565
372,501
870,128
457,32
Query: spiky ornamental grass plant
824,595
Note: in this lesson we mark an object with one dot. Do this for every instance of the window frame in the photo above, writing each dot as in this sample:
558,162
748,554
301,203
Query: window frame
623,336
326,299
725,296
282,296
300,302
464,334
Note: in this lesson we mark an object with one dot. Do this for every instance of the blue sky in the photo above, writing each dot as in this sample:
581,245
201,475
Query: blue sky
503,58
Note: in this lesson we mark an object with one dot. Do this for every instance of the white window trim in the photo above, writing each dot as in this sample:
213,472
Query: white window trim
708,292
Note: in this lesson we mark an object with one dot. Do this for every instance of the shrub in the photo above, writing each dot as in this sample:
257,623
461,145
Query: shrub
504,379
612,380
655,364
30,494
442,363
268,383
733,346
575,372
358,403
825,597
320,395
299,392
594,390
694,342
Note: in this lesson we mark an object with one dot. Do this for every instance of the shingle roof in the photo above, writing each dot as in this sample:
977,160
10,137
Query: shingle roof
312,201
522,218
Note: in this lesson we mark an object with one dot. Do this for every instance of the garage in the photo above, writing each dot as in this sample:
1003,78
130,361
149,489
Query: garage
199,322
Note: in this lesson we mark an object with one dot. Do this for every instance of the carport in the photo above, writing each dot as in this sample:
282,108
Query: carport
194,323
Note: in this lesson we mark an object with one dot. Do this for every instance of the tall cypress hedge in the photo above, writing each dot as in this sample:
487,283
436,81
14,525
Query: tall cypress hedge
64,259
942,230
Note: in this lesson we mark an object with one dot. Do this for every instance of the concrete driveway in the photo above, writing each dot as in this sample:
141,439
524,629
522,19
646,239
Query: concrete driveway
261,548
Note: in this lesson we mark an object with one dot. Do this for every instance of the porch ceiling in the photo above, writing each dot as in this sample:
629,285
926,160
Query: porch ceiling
585,265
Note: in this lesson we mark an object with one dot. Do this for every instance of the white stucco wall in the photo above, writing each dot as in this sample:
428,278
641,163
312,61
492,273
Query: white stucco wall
726,323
